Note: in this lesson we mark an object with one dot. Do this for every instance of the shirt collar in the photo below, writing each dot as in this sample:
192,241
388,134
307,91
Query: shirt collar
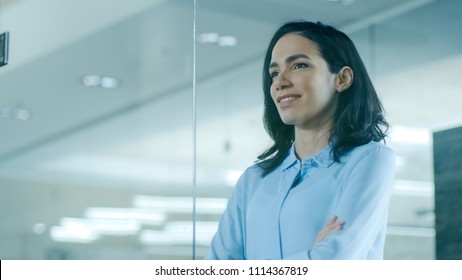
324,158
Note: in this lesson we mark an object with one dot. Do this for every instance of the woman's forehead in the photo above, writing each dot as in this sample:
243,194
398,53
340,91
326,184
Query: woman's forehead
291,44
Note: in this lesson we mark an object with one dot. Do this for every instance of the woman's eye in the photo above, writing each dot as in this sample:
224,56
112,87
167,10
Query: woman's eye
300,65
274,74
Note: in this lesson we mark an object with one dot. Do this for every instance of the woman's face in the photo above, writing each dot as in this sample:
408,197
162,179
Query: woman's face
303,88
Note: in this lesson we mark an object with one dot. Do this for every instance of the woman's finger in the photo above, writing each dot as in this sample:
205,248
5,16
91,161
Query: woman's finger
333,225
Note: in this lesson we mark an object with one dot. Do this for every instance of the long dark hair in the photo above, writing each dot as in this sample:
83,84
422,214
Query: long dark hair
358,118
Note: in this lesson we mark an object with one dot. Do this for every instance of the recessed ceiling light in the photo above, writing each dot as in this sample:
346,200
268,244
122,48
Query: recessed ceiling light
99,81
216,39
109,82
91,80
15,113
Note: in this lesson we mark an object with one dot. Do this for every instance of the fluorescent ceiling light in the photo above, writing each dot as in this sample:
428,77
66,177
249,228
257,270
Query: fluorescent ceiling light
144,216
74,235
180,233
181,204
215,38
89,230
60,234
187,226
103,226
227,41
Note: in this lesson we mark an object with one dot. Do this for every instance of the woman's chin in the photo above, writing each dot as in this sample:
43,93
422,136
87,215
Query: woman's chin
288,121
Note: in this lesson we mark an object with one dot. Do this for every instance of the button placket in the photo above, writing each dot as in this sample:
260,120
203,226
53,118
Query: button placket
290,177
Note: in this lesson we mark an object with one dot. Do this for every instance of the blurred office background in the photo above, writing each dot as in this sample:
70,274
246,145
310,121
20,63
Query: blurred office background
96,149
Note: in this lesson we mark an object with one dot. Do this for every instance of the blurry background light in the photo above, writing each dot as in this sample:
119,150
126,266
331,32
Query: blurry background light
23,114
227,41
73,233
102,226
215,38
411,135
400,161
144,216
109,82
39,228
88,230
180,233
98,81
181,204
91,80
232,176
15,113
208,38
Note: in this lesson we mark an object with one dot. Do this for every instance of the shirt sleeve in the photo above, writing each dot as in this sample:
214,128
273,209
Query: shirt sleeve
227,244
363,206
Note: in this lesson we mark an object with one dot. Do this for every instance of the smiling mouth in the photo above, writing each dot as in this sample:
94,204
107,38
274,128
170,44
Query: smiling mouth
287,100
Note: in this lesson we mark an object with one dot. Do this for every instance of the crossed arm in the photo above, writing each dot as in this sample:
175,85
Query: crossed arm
356,232
334,224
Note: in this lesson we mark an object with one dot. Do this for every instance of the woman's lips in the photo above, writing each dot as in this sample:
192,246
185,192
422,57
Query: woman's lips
286,100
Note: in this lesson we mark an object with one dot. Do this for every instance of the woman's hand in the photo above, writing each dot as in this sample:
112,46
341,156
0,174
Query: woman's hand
333,225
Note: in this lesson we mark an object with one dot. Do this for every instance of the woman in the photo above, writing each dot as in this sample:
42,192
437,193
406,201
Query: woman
322,190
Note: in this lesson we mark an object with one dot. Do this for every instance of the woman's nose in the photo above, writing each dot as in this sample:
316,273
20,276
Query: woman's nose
281,82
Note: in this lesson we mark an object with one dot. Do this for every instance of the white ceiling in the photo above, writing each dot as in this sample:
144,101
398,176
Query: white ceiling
150,50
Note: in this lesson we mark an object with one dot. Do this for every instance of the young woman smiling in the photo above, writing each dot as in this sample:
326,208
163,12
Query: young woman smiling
322,190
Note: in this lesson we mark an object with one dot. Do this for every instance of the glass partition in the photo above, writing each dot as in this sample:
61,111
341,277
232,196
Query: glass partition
96,128
411,54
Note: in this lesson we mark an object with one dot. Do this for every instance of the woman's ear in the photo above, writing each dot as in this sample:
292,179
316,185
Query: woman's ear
344,78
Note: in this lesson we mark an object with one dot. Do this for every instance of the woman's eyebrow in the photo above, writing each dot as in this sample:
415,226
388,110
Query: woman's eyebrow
290,59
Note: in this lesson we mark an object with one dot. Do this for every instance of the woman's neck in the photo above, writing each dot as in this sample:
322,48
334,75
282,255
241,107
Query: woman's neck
310,142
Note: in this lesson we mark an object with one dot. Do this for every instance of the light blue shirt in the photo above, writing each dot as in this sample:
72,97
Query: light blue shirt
268,219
